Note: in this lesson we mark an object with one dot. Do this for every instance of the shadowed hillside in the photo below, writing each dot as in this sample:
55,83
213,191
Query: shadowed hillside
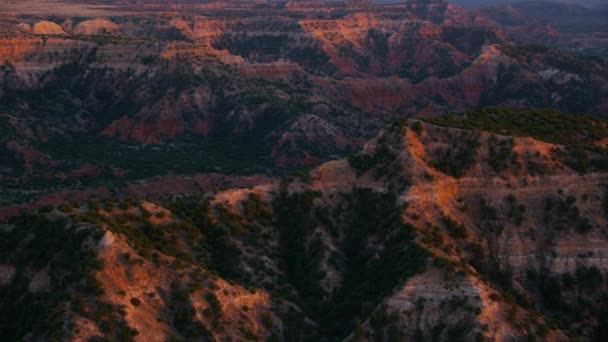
458,228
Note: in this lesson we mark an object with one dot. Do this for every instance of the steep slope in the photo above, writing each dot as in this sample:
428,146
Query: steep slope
484,226
569,26
249,89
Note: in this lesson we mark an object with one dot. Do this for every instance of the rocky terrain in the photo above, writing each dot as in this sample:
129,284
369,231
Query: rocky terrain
577,27
302,171
484,227
233,87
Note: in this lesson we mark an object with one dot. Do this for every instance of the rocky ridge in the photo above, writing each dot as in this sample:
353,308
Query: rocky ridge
434,230
156,81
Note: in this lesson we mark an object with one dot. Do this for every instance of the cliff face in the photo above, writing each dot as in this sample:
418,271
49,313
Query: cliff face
490,225
453,227
247,88
512,229
555,24
406,58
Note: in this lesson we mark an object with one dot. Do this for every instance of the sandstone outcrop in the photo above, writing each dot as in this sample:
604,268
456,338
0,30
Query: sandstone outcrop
47,27
97,27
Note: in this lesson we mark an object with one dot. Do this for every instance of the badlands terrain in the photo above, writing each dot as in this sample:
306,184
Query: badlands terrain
95,96
302,171
436,230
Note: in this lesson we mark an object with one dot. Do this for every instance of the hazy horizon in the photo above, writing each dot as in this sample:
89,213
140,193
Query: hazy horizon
485,3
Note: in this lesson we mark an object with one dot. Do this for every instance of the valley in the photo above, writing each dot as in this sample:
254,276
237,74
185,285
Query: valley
293,87
302,171
479,249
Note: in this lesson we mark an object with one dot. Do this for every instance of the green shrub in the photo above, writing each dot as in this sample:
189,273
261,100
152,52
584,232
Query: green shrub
543,124
589,278
562,214
417,127
184,315
109,204
362,163
459,157
578,133
124,205
45,209
266,320
65,208
455,228
254,209
500,153
515,212
248,335
368,279
145,212
135,301
605,200
214,304
38,243
93,205
294,219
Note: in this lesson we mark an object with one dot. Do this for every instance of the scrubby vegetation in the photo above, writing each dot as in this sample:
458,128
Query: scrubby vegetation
571,298
367,216
157,159
500,154
605,200
298,220
562,214
301,251
381,156
274,47
459,155
543,124
383,161
556,58
515,211
578,133
327,259
183,315
385,152
65,253
455,228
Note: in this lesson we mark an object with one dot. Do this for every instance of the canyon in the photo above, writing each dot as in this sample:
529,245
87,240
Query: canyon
282,84
405,240
302,171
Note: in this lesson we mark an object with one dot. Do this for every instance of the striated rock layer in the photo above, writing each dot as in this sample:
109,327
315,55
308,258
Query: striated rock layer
454,227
